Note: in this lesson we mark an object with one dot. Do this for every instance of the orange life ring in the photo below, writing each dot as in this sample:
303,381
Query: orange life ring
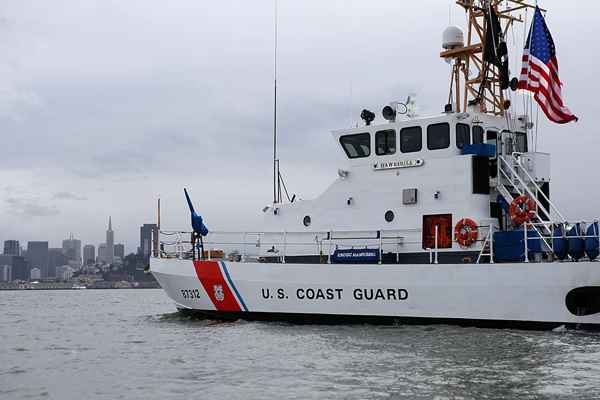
465,232
522,209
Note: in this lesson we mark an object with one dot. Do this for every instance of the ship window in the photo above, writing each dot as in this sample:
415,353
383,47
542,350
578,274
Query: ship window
356,146
385,142
521,142
389,215
492,135
438,136
477,135
306,221
411,139
463,135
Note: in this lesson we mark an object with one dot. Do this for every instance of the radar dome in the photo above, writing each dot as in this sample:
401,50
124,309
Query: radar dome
453,37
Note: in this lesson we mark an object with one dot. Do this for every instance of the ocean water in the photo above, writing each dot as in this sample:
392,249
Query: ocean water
130,344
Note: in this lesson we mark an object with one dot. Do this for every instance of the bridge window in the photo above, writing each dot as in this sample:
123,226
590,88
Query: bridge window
438,136
385,142
411,139
492,135
356,146
463,135
477,134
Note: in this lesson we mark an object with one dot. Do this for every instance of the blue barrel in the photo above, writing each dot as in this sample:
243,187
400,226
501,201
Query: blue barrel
560,243
576,242
534,242
592,244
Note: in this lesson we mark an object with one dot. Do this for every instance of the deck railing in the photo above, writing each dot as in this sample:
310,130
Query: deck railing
281,245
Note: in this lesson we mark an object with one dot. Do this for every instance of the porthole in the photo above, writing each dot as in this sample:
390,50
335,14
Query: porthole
389,215
306,220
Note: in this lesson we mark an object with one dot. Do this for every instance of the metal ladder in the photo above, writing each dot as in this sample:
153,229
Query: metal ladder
514,179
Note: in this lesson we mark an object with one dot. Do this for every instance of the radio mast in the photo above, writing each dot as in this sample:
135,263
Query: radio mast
276,178
485,87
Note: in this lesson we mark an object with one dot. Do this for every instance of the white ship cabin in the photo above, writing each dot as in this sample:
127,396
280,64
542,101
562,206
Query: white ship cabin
404,180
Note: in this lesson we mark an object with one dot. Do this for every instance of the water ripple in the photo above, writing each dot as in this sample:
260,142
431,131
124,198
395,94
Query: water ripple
135,346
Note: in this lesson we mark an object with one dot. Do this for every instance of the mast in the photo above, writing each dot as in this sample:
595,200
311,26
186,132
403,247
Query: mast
481,79
276,185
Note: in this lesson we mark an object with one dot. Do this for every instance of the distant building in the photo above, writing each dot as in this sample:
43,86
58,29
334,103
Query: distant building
37,255
102,253
6,260
36,274
89,254
5,273
71,248
148,234
20,268
12,248
119,250
64,273
56,258
110,243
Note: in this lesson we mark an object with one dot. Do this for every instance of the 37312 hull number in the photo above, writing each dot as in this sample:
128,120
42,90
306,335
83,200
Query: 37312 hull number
190,293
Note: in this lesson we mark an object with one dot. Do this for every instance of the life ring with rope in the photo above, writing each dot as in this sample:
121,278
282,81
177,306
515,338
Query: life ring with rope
522,209
465,232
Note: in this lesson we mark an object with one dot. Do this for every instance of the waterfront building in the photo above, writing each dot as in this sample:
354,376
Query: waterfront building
37,255
20,269
18,266
5,260
102,253
110,243
119,250
36,274
71,248
5,273
89,254
12,248
64,272
148,234
56,258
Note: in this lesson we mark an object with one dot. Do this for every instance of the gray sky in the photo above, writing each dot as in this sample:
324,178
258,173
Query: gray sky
107,104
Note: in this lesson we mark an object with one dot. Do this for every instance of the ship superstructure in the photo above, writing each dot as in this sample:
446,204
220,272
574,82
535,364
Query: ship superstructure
443,217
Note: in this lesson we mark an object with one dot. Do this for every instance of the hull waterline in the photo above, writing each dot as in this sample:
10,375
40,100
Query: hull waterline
532,296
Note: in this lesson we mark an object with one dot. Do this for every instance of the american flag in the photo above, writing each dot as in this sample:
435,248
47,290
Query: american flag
539,73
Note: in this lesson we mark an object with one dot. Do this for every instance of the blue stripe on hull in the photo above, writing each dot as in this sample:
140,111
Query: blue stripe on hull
230,281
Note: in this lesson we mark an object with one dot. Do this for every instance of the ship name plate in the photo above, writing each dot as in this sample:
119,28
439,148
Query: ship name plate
383,165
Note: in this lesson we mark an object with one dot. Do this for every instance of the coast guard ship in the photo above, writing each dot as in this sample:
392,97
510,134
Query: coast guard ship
443,218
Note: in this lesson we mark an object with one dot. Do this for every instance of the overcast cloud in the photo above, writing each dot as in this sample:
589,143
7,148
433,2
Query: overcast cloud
105,105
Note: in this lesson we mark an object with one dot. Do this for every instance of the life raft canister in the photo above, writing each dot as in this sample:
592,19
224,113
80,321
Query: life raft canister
522,209
465,232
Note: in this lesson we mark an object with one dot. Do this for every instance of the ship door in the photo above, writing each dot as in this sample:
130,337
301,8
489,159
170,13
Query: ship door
444,231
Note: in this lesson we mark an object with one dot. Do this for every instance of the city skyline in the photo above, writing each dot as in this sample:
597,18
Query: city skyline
33,260
10,243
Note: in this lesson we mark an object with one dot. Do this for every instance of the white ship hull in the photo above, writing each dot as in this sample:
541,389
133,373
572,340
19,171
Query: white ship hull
484,294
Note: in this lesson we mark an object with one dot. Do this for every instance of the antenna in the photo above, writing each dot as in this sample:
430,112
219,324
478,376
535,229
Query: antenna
276,192
483,83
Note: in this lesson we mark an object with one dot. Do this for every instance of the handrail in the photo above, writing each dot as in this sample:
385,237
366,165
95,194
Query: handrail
526,188
392,240
181,246
529,192
552,206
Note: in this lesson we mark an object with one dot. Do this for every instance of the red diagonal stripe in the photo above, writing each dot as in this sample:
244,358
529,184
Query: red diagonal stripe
213,281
